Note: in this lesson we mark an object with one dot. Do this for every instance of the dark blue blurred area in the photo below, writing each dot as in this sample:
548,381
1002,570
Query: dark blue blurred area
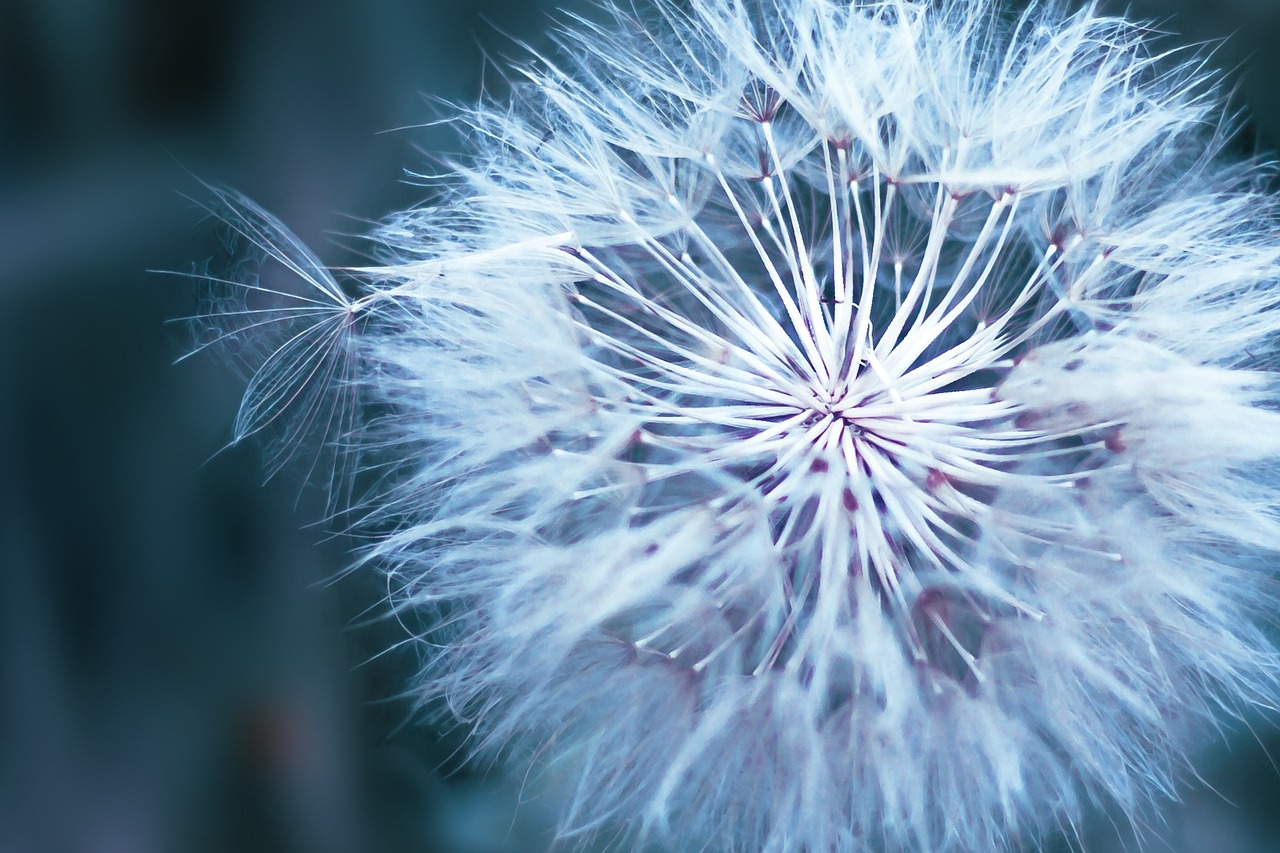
176,673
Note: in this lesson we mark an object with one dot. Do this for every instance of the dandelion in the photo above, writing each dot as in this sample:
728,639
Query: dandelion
824,425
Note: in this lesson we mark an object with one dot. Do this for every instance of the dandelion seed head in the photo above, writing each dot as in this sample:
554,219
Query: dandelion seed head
833,426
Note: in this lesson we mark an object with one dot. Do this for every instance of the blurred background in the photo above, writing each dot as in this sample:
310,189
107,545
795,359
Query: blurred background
177,671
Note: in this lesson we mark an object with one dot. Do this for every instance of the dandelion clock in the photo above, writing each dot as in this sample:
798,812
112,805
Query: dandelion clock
814,425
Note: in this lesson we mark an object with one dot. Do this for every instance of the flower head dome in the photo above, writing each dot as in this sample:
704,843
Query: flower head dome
828,425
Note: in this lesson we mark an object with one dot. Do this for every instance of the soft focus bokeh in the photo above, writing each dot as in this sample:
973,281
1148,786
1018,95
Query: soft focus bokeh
179,668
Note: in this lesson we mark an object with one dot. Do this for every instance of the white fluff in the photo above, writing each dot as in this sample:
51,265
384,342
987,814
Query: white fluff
832,426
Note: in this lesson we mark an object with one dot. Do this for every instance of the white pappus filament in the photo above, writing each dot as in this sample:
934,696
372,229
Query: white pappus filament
819,425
